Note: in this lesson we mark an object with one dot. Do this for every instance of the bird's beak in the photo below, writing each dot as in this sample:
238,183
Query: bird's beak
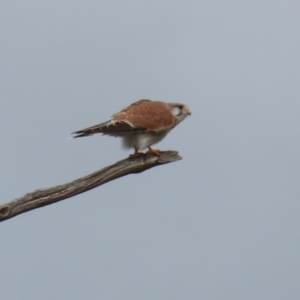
186,110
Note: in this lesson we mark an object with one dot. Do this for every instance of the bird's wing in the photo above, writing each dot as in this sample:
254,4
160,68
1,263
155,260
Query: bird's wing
114,128
153,115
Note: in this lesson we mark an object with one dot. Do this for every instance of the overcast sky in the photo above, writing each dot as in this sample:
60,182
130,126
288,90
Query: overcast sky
223,223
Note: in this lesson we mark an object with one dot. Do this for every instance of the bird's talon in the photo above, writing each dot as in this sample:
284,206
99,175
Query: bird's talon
136,154
153,152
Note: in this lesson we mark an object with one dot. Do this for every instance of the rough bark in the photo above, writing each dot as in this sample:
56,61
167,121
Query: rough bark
47,196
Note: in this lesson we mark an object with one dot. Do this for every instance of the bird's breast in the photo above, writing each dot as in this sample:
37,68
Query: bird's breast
142,140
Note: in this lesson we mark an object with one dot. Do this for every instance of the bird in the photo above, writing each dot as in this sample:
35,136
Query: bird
141,124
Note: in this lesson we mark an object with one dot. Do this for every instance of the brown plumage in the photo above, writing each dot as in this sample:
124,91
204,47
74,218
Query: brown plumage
141,124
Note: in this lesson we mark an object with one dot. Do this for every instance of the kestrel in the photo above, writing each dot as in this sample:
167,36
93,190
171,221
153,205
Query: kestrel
141,124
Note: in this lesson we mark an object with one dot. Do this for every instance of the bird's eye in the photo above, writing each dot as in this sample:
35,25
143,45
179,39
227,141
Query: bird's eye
176,111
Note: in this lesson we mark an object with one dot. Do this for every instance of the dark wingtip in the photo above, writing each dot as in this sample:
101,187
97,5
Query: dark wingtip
78,135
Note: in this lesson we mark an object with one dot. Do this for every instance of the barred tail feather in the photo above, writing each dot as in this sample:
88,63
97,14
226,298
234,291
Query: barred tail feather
110,128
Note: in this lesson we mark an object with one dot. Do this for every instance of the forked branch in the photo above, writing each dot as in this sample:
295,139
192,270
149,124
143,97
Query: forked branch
47,196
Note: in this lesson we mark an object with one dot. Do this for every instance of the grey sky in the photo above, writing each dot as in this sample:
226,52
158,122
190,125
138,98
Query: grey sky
223,223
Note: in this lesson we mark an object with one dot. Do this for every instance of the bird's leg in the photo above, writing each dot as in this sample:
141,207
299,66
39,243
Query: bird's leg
136,153
153,151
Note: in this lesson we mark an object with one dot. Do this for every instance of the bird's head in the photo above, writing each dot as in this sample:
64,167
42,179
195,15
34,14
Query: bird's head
179,111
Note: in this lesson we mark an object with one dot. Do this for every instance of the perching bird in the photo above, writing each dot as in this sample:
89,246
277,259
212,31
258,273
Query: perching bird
141,124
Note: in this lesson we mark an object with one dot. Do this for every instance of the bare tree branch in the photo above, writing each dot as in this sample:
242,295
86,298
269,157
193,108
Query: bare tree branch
43,197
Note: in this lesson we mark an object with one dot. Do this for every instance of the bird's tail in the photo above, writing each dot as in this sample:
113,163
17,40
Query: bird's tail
99,128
